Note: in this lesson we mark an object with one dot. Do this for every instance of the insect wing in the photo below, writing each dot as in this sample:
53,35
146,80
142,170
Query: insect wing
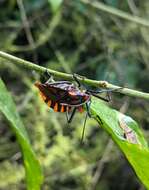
62,94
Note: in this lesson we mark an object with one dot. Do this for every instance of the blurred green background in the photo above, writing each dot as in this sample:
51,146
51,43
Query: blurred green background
72,37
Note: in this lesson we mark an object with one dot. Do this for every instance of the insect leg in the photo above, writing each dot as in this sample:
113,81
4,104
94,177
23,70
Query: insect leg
87,114
46,75
108,99
76,76
88,104
70,116
49,76
76,79
96,92
83,132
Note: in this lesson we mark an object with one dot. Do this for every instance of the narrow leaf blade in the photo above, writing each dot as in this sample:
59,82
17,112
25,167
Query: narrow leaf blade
32,167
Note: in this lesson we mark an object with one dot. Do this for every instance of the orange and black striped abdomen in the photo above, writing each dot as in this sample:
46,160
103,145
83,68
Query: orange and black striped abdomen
49,92
60,100
49,97
57,107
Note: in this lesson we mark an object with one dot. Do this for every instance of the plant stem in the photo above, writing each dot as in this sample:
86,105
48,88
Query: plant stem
118,13
99,84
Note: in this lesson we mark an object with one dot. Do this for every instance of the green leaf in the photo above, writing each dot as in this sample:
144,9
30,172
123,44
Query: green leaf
127,135
55,4
32,167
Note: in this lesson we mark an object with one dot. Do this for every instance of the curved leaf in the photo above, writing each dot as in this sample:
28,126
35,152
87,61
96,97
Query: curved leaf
32,167
127,135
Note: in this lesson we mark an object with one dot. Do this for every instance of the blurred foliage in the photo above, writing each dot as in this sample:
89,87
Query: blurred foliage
75,38
32,167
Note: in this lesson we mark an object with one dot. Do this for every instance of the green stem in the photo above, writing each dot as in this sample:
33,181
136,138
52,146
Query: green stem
118,13
99,84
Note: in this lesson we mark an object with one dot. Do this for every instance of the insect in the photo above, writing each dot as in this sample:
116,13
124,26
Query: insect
64,96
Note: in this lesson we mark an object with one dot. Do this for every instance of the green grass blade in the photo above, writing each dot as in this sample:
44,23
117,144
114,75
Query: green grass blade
32,167
127,135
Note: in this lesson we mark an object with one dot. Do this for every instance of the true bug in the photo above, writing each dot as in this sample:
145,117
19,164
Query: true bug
64,96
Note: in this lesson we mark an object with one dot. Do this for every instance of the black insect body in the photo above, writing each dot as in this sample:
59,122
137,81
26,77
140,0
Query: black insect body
64,96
